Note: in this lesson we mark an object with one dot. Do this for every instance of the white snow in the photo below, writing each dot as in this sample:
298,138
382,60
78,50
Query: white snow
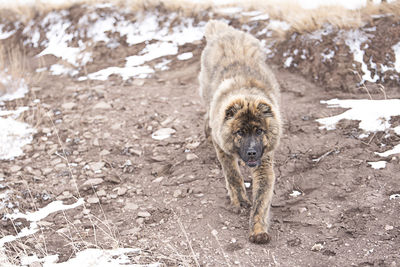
394,150
328,56
397,130
163,65
34,217
162,133
354,39
394,196
91,257
377,164
295,193
15,89
278,25
13,134
260,17
125,72
58,38
152,51
5,34
396,49
288,62
45,211
374,115
185,56
58,69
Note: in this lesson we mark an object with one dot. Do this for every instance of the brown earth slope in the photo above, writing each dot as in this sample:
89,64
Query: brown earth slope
168,197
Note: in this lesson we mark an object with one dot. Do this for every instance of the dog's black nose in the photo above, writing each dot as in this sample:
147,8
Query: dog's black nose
251,152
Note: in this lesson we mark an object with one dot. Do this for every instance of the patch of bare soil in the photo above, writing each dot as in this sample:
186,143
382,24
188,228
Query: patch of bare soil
168,197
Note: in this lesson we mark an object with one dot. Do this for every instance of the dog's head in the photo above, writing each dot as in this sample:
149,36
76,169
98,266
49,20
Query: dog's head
254,129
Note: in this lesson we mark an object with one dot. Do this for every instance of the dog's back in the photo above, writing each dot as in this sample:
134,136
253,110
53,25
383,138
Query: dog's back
231,53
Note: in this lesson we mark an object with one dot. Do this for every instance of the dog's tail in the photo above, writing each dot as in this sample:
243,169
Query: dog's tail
215,28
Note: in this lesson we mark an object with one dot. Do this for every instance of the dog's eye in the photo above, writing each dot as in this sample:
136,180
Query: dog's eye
259,131
240,133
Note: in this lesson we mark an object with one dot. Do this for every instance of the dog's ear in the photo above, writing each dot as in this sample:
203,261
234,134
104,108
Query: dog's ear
232,110
265,110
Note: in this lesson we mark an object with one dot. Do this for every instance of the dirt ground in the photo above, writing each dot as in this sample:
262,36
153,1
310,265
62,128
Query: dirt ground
168,197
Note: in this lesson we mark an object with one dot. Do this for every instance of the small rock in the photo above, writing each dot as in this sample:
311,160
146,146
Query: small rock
132,231
101,193
93,200
302,209
46,130
135,152
138,82
162,133
60,166
69,105
193,145
15,168
102,105
96,166
121,191
131,206
104,152
388,227
143,214
96,142
317,247
44,223
140,221
158,179
191,156
91,182
177,193
86,211
167,121
113,179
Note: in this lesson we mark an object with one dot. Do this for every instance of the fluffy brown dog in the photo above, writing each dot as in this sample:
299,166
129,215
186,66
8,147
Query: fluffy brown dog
242,118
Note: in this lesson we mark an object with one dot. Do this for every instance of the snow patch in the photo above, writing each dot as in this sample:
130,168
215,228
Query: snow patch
278,25
5,34
260,17
295,193
377,164
354,39
395,150
34,217
394,196
162,133
288,62
374,115
58,69
185,56
91,257
15,89
396,49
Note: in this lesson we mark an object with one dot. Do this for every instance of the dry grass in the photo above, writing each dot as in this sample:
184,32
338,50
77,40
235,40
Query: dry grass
286,10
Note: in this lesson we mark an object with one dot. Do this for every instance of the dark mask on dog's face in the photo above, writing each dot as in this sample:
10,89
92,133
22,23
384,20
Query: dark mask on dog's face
249,123
251,146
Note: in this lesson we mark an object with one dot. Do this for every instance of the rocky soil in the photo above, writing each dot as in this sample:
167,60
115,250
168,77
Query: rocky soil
167,197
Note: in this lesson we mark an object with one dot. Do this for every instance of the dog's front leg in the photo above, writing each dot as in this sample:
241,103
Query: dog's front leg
233,178
263,188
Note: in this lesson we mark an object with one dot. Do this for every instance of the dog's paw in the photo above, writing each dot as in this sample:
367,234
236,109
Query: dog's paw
260,238
245,204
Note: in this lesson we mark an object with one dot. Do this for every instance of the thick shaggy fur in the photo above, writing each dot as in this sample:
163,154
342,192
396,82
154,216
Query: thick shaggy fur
242,99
